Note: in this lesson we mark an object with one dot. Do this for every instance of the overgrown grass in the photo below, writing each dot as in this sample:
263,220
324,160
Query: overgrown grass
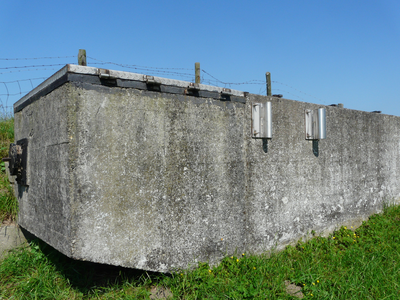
6,135
8,203
361,263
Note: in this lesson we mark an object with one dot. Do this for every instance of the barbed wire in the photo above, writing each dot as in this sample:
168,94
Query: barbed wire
254,81
275,91
35,58
299,91
14,88
32,66
29,79
159,71
279,90
7,91
20,93
260,82
137,66
27,70
7,111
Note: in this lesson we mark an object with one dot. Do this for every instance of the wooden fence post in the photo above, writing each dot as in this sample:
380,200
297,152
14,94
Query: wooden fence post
197,72
82,57
268,77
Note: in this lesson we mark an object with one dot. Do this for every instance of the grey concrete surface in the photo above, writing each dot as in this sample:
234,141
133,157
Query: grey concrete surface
11,237
159,181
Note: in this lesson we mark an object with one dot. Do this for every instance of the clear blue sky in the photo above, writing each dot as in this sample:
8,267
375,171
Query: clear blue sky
318,51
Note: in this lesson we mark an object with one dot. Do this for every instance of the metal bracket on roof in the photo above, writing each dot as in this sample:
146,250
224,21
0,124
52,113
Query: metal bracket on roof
150,80
105,74
227,92
193,86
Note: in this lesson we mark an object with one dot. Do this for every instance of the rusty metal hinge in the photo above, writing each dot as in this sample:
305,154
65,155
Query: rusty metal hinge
17,160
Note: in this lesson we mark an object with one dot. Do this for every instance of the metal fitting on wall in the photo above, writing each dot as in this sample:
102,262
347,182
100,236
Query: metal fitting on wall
315,123
261,117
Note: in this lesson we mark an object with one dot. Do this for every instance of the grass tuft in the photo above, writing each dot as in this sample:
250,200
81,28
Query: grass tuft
8,203
6,135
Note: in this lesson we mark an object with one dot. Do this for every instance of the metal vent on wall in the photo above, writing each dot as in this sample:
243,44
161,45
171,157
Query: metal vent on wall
261,116
315,124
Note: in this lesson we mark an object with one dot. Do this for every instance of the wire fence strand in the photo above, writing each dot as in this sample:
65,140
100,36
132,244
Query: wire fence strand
32,66
29,70
137,66
37,58
11,89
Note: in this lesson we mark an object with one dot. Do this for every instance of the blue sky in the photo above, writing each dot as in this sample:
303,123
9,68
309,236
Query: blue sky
317,51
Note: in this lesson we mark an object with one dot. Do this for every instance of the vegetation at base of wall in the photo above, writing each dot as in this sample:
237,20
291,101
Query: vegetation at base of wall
6,135
362,263
8,203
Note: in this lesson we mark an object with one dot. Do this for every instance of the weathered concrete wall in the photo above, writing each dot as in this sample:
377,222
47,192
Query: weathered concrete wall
295,185
162,183
11,237
45,204
158,181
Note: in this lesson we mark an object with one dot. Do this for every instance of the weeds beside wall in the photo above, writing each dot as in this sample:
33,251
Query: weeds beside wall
8,202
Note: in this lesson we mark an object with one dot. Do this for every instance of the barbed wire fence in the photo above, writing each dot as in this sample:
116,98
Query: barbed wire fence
12,90
16,78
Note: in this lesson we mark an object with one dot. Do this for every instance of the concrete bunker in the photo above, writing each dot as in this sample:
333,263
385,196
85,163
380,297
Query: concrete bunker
157,174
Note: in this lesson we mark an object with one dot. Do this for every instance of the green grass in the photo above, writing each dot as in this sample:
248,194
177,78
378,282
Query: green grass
350,264
362,263
40,272
6,135
8,203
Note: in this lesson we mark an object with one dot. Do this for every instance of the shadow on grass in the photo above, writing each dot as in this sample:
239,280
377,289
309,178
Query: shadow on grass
85,276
